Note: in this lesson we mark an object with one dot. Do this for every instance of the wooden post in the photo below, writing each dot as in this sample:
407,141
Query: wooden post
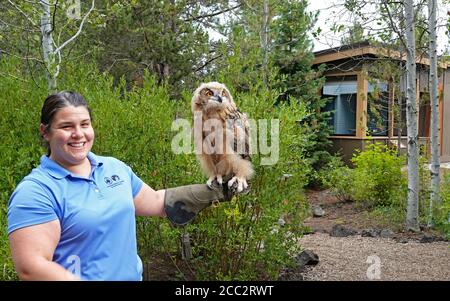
391,87
362,88
441,113
186,249
418,103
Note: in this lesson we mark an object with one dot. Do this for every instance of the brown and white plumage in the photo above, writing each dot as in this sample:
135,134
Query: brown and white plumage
224,148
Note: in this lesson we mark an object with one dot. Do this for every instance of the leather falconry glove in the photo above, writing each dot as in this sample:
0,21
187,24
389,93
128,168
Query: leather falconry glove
182,204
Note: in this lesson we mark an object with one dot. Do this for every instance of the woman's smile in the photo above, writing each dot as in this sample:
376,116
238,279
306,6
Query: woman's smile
70,137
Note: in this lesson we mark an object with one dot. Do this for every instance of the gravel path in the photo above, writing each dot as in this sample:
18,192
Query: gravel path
365,258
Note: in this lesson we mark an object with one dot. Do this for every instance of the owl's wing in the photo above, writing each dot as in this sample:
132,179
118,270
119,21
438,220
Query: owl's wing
238,123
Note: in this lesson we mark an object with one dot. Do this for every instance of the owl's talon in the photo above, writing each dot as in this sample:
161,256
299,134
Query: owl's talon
232,181
240,186
209,182
237,185
219,179
245,184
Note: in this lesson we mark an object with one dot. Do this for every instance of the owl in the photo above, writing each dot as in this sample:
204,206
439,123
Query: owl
221,135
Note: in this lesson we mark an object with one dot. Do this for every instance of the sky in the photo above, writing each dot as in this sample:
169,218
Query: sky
326,17
329,13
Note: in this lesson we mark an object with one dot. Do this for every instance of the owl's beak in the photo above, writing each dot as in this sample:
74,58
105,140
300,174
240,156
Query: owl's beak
219,99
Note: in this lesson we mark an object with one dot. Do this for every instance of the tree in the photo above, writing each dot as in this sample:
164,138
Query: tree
51,51
28,36
354,35
293,56
412,213
169,39
434,102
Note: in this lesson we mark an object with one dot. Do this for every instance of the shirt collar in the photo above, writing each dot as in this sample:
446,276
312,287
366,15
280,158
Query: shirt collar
59,172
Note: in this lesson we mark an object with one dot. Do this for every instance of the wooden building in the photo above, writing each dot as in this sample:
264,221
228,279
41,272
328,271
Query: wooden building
364,98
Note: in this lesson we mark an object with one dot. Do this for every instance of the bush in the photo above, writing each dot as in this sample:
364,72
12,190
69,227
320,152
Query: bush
377,176
20,104
443,212
338,177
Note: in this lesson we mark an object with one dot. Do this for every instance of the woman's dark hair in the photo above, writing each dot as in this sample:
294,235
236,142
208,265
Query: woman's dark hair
55,102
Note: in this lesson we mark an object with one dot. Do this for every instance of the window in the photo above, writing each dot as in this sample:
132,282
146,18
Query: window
378,110
400,119
342,106
424,115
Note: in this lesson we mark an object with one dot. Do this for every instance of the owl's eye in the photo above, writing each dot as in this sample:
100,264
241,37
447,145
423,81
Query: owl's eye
224,93
209,93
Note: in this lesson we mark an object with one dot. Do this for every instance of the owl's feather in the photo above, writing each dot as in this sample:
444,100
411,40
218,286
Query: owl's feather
213,102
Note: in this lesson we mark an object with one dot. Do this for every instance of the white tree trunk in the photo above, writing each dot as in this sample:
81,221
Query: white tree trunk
412,214
434,102
399,105
265,41
52,56
47,45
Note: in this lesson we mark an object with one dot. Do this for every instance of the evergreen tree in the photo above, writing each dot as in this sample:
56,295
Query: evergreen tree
293,56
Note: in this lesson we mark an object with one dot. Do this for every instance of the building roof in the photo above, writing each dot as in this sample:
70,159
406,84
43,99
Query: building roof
362,49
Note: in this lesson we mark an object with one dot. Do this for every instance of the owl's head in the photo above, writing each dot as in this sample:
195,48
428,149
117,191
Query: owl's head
210,96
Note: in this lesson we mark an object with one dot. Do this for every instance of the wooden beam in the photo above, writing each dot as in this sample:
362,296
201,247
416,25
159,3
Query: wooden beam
339,73
441,113
417,104
391,100
376,51
346,54
362,88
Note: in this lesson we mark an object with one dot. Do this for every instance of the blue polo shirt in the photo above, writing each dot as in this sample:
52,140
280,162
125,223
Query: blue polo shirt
96,214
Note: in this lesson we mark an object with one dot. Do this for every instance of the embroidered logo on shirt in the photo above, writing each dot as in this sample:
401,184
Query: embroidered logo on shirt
113,181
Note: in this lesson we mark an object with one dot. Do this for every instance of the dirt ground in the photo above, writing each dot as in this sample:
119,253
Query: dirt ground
365,258
403,256
354,215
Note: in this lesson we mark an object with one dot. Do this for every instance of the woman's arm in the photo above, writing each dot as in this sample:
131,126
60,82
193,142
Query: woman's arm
32,251
149,202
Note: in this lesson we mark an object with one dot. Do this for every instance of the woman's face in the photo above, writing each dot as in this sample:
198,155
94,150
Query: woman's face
70,136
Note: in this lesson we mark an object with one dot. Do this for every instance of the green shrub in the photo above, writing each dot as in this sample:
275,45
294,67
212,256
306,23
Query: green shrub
443,212
338,177
377,176
20,148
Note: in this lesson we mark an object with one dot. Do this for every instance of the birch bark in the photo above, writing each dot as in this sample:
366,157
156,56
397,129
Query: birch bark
434,103
412,213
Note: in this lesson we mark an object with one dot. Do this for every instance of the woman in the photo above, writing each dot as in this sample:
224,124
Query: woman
73,217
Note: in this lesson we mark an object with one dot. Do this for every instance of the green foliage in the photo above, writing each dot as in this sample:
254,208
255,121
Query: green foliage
292,53
424,187
338,177
443,212
157,36
378,177
292,56
354,35
20,149
240,63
